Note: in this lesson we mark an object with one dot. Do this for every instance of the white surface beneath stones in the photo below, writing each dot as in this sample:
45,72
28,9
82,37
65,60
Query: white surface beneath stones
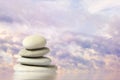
20,67
34,42
34,53
34,61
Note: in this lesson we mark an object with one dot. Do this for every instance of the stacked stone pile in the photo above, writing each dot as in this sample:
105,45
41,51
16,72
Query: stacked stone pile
33,55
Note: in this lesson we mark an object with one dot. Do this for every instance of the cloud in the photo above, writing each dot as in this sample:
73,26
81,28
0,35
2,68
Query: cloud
58,16
101,5
85,54
42,14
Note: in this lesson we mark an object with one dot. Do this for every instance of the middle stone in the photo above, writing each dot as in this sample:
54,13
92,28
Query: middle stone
34,52
42,61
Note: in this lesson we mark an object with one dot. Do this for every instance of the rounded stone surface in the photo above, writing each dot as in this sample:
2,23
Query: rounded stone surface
35,61
20,67
34,53
48,75
34,42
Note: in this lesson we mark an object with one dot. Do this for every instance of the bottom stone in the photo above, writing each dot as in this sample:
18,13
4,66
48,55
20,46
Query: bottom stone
49,68
34,75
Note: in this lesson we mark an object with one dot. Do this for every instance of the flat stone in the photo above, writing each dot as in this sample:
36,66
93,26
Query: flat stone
34,53
34,42
34,75
20,67
35,61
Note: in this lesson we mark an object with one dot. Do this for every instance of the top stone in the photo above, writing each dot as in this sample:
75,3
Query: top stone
34,42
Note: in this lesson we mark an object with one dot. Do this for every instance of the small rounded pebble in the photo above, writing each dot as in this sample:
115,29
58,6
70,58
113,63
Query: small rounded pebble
34,53
42,61
34,42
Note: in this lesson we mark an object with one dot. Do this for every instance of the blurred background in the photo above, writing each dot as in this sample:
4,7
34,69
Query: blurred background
83,35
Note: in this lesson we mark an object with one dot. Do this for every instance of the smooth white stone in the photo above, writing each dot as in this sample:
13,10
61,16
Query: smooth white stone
34,53
35,61
34,42
20,67
35,75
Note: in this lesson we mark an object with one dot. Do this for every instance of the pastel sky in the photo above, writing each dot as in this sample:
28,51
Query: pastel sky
82,34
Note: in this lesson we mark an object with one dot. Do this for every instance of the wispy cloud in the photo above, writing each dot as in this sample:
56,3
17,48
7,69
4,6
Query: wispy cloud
101,5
